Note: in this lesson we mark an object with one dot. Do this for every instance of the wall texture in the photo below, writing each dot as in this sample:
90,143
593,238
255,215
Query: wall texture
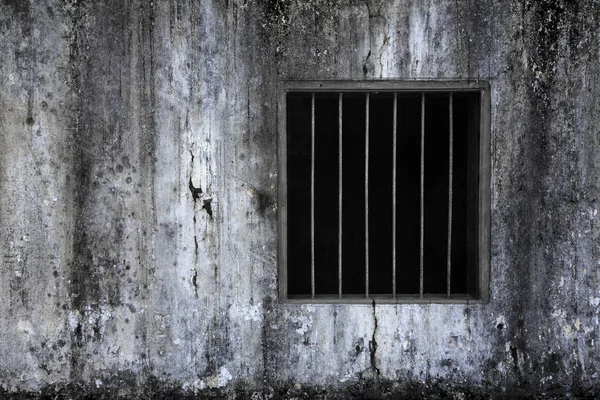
138,203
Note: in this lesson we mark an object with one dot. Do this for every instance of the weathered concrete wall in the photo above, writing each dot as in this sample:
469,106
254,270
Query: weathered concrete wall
138,174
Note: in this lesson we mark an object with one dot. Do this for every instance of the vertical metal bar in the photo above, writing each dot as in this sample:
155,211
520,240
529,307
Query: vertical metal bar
450,166
394,131
367,196
484,146
340,198
312,196
422,201
282,193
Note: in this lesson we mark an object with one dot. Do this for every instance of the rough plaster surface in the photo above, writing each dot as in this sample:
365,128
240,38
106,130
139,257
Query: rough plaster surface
138,204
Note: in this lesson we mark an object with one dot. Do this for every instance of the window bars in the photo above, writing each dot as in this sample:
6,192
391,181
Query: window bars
476,127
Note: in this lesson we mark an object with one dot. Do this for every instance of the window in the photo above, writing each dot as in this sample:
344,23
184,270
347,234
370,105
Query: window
384,192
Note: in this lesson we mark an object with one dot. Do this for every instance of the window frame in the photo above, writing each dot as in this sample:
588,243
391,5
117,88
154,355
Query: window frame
484,182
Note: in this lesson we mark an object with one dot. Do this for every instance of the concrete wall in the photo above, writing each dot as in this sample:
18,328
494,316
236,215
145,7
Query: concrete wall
115,279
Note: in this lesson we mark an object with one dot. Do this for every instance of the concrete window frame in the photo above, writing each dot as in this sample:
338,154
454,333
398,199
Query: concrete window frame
481,292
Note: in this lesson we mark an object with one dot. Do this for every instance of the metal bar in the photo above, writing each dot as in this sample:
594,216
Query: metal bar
422,201
282,194
450,166
340,198
484,195
367,196
394,131
348,299
312,196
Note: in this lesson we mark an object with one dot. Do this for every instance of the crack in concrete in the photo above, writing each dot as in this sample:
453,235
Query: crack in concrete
373,343
198,194
365,69
195,276
196,191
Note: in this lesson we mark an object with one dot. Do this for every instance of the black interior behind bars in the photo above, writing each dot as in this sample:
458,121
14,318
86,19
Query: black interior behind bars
408,170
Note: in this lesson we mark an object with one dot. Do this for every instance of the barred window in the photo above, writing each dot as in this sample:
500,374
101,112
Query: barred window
384,192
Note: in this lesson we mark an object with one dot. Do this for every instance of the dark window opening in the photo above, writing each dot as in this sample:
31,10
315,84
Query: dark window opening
364,219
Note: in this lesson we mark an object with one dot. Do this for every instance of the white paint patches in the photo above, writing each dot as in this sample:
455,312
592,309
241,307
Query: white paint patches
500,320
97,315
248,312
303,324
405,345
93,316
74,320
195,386
219,380
225,376
567,332
346,377
253,312
25,327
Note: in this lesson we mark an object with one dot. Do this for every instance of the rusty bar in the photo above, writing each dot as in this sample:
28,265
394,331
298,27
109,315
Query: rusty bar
340,198
367,196
450,166
394,133
312,196
422,201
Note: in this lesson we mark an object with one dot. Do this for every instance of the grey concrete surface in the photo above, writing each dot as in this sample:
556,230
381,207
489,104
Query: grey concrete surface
115,280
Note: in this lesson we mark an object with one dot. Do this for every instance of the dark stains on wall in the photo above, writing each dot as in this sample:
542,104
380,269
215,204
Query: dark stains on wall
528,210
275,23
20,8
475,38
275,12
221,63
547,194
163,389
549,21
264,201
100,91
81,286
